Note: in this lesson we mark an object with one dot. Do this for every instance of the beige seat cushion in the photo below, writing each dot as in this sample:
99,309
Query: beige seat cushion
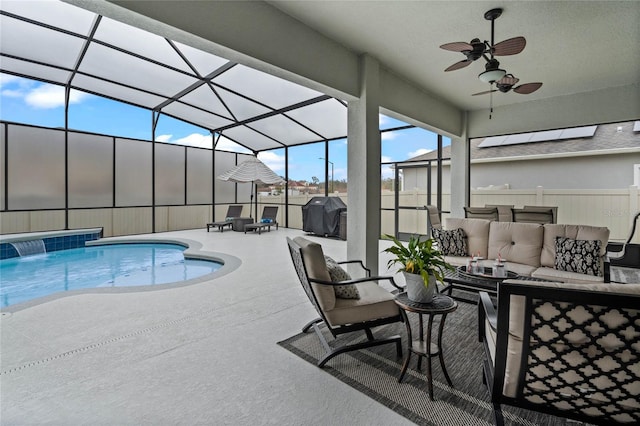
552,274
516,242
477,231
375,302
317,269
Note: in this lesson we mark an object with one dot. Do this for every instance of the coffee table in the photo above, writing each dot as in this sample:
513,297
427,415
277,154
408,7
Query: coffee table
459,279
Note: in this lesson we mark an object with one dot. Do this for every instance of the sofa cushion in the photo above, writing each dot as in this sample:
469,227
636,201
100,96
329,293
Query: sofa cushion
375,302
577,232
337,274
516,242
552,274
316,268
580,256
451,242
477,232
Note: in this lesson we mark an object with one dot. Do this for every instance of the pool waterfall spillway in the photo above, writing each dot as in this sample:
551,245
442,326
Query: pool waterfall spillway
24,244
30,247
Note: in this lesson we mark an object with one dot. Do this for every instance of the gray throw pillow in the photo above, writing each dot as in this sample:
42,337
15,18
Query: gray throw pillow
581,256
451,242
338,274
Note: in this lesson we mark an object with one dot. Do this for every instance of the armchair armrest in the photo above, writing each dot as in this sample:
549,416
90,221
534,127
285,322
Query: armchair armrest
486,311
357,280
359,262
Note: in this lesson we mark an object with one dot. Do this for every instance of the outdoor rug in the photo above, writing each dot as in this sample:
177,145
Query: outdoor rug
375,373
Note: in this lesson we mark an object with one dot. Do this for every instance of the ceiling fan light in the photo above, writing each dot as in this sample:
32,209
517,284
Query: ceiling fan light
491,76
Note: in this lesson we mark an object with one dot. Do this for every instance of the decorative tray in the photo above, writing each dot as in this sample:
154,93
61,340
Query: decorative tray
487,274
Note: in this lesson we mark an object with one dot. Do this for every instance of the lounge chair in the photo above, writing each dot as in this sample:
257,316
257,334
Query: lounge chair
232,212
268,220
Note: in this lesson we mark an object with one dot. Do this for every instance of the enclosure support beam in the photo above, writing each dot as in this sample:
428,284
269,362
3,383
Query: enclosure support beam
363,154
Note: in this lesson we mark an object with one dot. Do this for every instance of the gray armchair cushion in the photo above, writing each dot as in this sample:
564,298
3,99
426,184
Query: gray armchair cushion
349,291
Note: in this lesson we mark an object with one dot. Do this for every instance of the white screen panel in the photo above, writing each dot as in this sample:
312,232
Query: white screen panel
30,41
54,13
204,62
133,173
90,170
116,91
199,176
204,97
135,72
251,138
196,116
284,130
35,71
2,145
240,107
265,88
170,167
329,118
140,42
36,168
225,191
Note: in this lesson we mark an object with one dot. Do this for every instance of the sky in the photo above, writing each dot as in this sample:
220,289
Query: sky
33,102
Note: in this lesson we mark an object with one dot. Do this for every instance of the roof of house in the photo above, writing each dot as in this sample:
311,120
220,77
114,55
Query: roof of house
607,137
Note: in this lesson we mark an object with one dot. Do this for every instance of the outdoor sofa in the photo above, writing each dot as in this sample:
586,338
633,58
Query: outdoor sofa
554,252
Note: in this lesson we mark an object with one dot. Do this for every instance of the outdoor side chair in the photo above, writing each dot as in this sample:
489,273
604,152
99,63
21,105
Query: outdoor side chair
488,213
433,216
569,350
375,307
232,212
269,214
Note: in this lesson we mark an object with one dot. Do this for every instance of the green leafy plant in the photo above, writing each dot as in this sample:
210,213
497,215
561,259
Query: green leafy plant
417,257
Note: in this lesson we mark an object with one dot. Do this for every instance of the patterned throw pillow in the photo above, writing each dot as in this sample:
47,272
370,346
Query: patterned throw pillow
581,256
338,274
451,242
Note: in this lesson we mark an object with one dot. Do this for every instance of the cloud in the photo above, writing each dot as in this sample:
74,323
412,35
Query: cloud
194,139
417,152
274,161
387,136
48,96
163,138
225,144
385,159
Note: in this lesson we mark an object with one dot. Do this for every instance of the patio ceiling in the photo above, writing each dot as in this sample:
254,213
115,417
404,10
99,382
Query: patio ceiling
62,44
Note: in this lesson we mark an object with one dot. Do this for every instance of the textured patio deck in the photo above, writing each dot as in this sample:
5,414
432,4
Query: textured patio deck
200,354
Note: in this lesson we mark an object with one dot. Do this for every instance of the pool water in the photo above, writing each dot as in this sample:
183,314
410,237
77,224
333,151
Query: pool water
118,265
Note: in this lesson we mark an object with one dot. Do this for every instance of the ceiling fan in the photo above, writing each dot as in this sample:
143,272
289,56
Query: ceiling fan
507,83
477,49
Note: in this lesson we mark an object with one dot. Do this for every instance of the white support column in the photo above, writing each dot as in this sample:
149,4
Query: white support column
460,158
363,218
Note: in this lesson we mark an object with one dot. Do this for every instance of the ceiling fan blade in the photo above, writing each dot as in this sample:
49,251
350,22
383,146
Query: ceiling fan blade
525,89
457,46
510,46
508,80
459,65
485,92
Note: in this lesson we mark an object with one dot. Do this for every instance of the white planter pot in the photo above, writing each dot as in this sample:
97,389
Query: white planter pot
416,290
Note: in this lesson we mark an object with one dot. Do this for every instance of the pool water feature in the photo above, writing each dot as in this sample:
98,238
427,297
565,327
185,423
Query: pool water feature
99,266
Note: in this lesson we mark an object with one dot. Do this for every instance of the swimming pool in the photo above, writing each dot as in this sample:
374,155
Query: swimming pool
114,265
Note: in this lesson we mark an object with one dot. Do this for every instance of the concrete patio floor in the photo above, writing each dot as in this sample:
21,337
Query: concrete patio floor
199,354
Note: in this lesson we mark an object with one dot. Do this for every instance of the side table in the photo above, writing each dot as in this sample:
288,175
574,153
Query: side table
440,305
238,223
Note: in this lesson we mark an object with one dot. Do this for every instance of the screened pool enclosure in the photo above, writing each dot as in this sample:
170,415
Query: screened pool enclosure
66,177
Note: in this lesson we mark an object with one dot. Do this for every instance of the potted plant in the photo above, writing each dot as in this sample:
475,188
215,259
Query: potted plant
422,264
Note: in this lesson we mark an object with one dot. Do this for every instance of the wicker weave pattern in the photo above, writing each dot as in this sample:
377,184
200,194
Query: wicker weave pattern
585,359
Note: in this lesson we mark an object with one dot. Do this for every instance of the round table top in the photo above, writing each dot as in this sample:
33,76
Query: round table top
441,304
